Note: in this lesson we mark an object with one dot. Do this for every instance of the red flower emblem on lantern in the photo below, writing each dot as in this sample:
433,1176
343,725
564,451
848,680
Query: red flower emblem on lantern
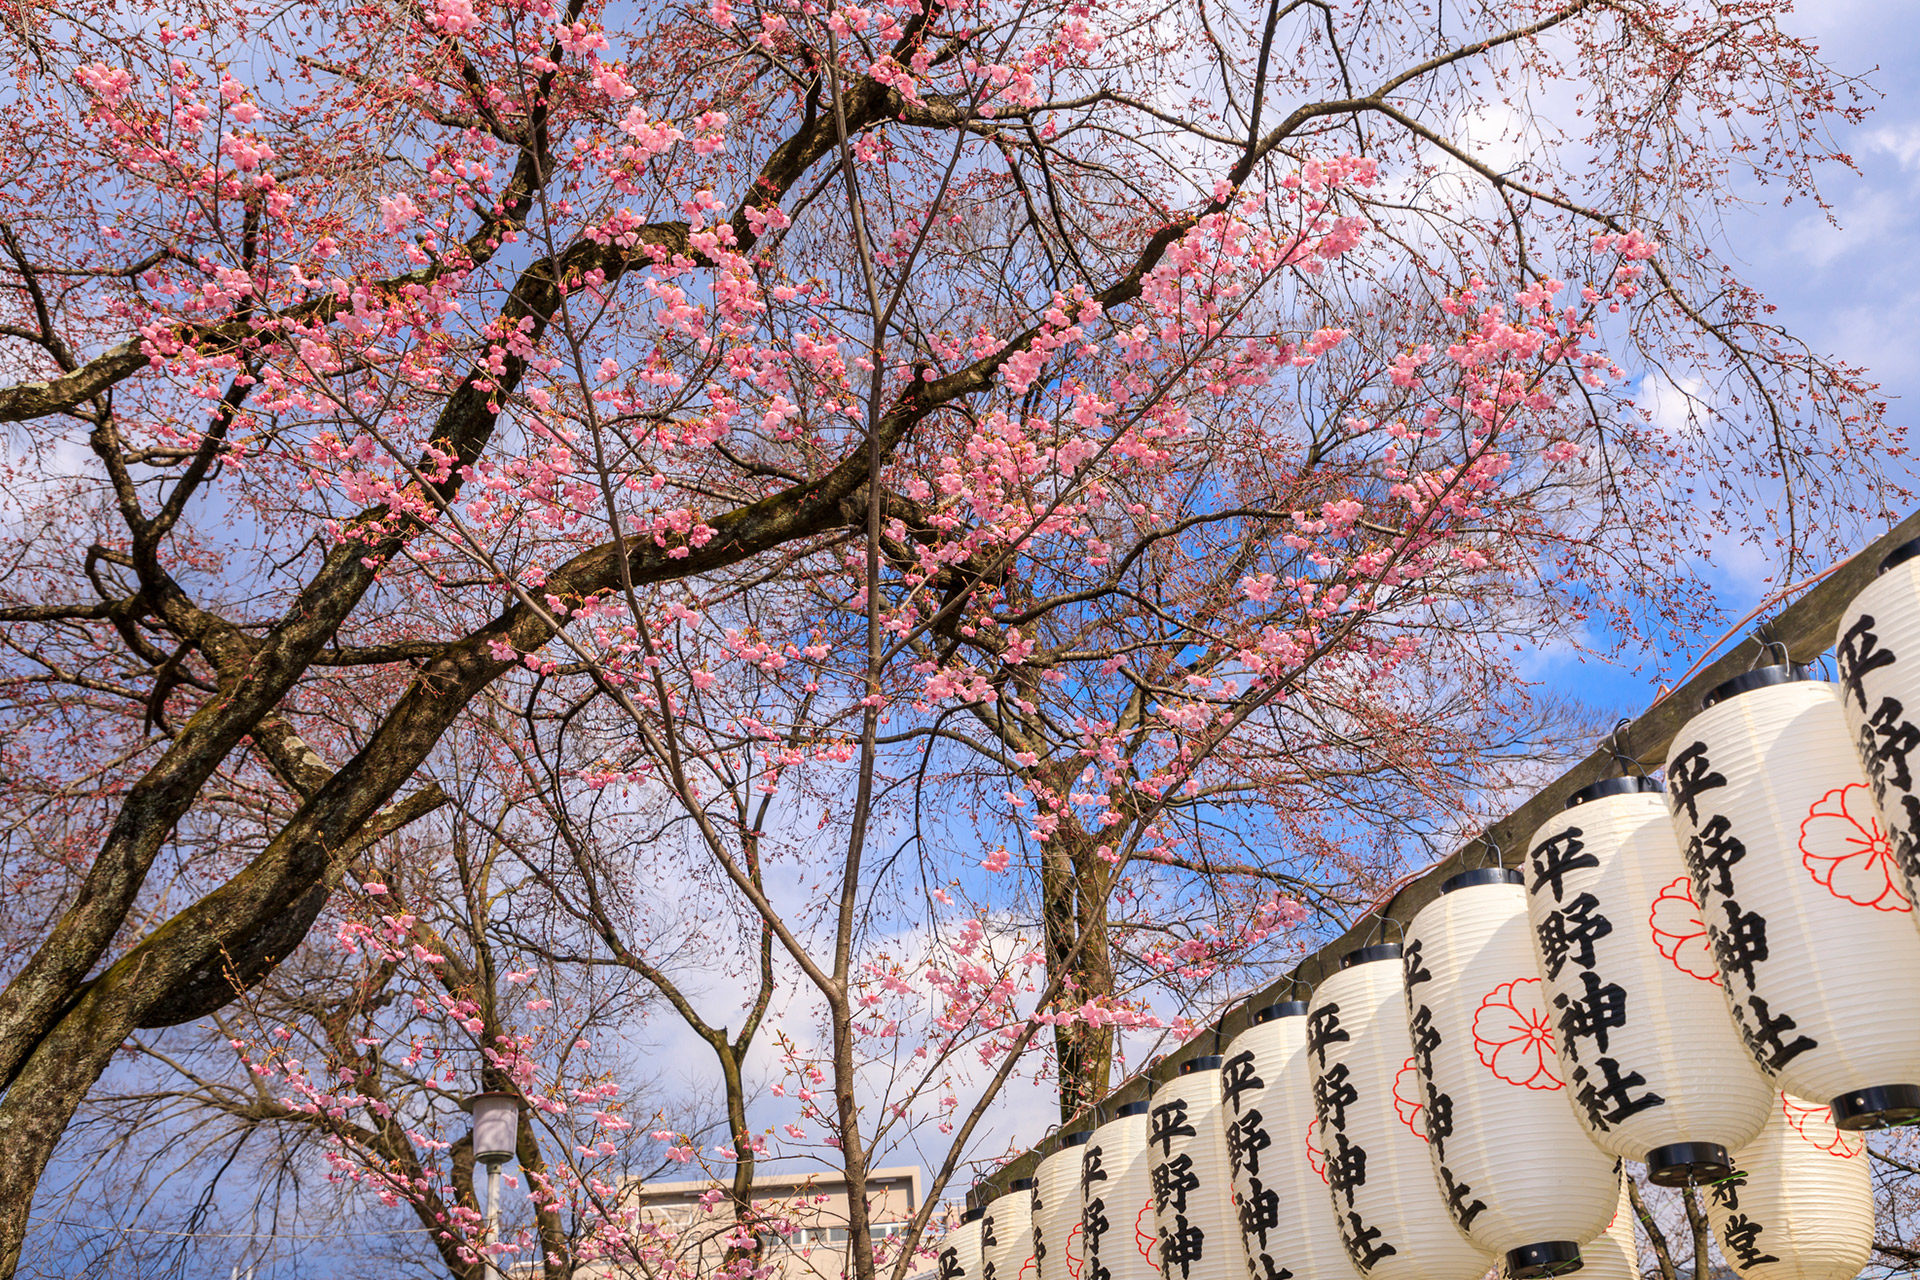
1030,1269
1147,1238
1076,1257
1408,1103
1680,933
1316,1154
1814,1123
1513,1037
1843,845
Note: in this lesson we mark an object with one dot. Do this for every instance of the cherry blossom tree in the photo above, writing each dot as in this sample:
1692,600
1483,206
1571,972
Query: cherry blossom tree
1135,432
327,1098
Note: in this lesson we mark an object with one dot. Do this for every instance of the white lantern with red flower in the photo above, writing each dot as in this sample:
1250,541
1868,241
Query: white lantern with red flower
959,1255
1878,653
1006,1234
1654,1067
1116,1200
1804,903
1279,1179
1802,1205
1519,1174
1392,1217
1057,1245
1193,1208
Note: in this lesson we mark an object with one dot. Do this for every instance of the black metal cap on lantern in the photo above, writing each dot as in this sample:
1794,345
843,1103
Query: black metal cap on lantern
974,1214
1881,1107
1077,1138
1131,1109
1285,1009
1551,1258
1613,787
1020,1184
1900,555
1758,678
1686,1164
1205,1062
1482,875
1367,955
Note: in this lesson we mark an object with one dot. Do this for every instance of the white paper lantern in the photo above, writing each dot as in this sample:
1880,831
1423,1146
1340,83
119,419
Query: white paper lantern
1057,1245
959,1257
1655,1069
1116,1200
1520,1176
1806,909
1371,1142
1193,1206
1878,653
1285,1220
1804,1208
1006,1234
1615,1253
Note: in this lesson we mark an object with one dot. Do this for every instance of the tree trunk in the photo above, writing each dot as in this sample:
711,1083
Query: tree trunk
1073,894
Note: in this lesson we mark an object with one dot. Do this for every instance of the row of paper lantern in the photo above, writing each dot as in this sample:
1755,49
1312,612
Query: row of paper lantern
1712,978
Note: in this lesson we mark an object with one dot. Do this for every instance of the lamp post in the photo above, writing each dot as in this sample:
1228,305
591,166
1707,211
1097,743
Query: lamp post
496,1132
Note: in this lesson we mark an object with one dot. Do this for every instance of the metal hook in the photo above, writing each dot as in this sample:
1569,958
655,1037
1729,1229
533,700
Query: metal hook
1763,636
1384,917
1380,922
1475,855
1616,747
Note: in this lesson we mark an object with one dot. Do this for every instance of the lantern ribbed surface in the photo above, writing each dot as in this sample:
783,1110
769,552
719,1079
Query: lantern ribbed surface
1519,1173
1615,1253
1285,1220
1804,1208
959,1257
1877,651
1192,1184
1655,1068
1006,1237
1116,1203
1057,1244
1393,1219
1804,904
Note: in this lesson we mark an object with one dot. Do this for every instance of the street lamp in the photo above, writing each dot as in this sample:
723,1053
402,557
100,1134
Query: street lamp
496,1133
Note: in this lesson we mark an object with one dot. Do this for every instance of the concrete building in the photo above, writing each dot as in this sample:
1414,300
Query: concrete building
815,1203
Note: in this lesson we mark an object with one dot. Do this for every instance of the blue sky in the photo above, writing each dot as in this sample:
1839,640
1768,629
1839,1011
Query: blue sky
1852,290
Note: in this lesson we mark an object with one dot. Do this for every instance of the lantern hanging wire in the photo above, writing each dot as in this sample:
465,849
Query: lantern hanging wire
1630,765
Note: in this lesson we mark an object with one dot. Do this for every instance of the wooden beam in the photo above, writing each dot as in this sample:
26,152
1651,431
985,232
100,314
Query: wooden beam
1806,627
